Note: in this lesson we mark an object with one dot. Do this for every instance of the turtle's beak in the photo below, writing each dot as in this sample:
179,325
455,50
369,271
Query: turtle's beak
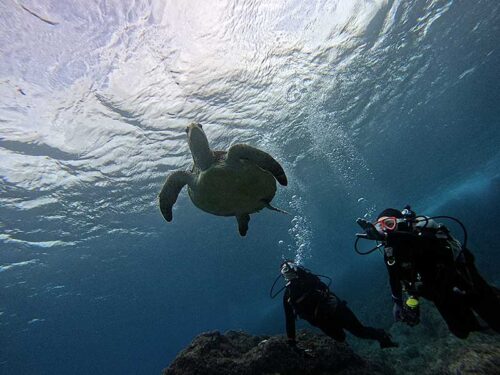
194,126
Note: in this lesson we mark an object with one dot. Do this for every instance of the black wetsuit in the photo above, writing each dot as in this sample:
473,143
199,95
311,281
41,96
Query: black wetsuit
426,266
311,300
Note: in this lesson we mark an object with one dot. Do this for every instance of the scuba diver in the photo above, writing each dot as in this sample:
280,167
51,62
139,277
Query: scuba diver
309,298
424,260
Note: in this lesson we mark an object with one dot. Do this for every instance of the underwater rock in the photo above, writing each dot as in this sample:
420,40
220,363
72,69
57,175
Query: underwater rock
477,359
430,349
422,354
238,353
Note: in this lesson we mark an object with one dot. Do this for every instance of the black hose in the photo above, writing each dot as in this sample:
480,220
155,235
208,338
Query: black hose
326,277
464,244
366,252
272,288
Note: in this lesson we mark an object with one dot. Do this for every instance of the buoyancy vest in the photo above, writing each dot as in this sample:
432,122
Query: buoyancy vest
307,293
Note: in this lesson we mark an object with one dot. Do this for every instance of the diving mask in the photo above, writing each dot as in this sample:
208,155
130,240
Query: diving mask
289,271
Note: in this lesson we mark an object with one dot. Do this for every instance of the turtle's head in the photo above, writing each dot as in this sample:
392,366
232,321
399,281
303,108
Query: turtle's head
198,144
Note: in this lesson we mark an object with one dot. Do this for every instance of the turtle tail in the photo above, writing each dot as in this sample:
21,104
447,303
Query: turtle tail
268,205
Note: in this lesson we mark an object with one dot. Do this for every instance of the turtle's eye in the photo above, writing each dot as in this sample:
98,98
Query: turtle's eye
201,126
187,130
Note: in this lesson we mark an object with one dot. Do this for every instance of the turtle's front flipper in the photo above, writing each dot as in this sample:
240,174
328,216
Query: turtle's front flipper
261,158
170,191
243,223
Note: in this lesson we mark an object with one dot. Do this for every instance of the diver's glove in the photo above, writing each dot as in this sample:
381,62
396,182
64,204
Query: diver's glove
371,232
385,340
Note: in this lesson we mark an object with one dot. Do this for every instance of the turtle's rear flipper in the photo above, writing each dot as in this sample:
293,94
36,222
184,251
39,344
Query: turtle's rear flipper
243,223
170,191
268,205
261,158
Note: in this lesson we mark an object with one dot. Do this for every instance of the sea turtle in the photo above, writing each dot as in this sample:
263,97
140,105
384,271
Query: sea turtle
237,183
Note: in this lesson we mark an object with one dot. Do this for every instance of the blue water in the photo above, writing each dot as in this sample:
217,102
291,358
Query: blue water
366,103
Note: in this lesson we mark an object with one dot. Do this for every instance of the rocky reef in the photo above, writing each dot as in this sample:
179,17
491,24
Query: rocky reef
473,359
238,353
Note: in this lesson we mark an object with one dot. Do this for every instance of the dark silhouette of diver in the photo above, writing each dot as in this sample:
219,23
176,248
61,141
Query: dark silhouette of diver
307,297
424,260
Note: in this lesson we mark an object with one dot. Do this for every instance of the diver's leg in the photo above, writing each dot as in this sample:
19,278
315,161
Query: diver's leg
489,310
484,299
460,319
350,322
333,330
326,321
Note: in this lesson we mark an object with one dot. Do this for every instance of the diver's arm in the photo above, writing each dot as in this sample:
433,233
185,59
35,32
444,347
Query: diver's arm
289,318
396,290
394,282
